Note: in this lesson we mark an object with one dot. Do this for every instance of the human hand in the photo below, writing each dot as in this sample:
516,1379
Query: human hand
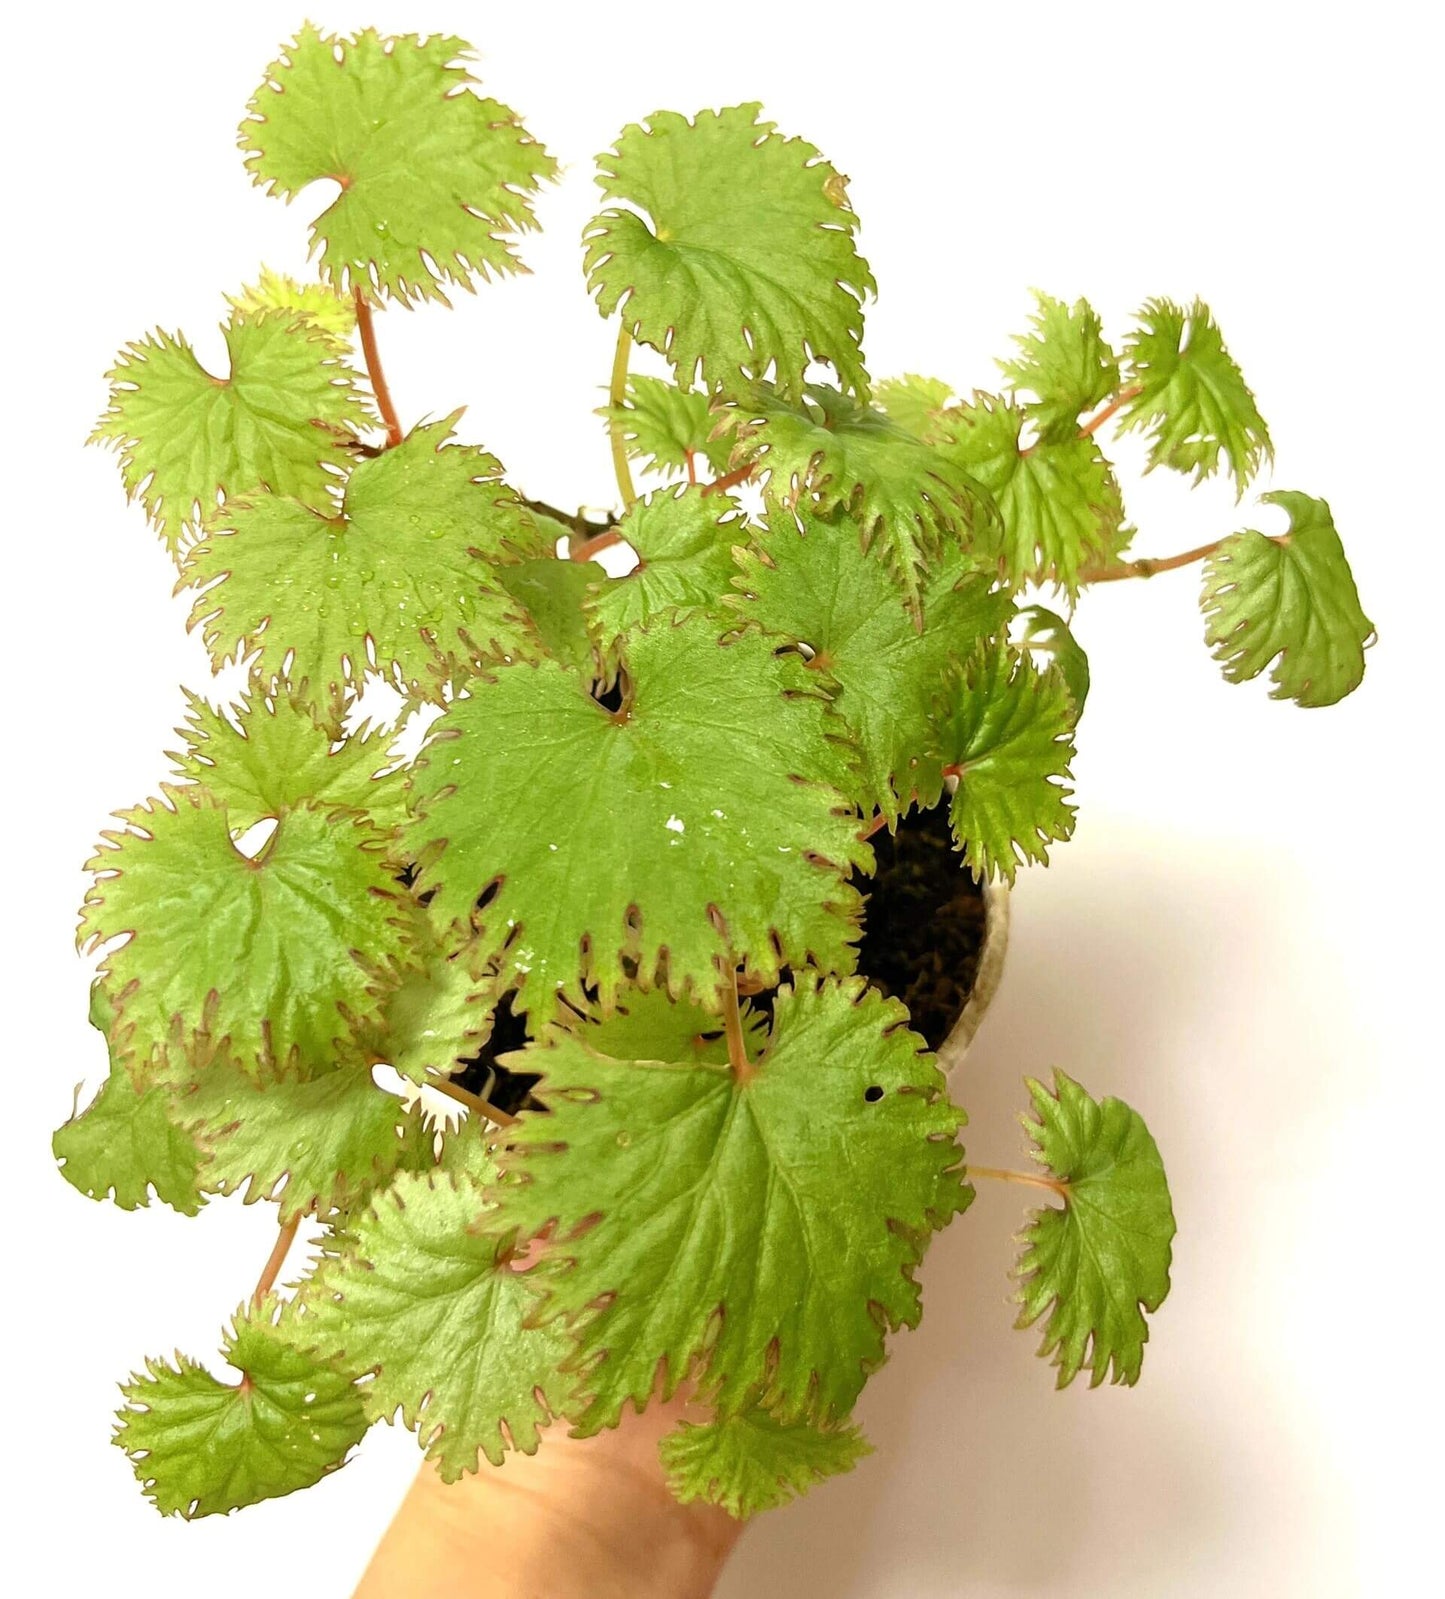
583,1518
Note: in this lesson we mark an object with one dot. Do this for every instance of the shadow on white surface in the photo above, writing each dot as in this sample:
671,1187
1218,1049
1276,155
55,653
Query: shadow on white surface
988,1482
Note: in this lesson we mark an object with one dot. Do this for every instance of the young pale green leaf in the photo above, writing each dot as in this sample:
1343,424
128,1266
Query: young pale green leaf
1192,399
318,305
819,588
914,404
126,1144
648,1025
752,1461
1093,1264
1291,602
738,256
668,428
554,593
275,756
440,1014
308,1145
1006,732
909,500
1065,363
710,832
272,962
280,419
763,1229
201,1447
427,1301
398,579
434,178
1059,502
684,541
1045,632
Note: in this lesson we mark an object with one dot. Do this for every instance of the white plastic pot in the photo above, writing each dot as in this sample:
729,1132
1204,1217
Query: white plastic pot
985,983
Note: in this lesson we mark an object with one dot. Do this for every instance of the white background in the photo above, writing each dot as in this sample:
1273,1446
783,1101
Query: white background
1241,941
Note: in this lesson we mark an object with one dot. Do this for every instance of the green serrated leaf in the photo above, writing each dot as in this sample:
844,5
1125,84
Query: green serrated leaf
914,403
739,255
273,962
1006,731
127,1143
909,501
821,589
1093,1264
202,1447
435,179
317,304
427,1301
648,1025
279,419
101,1012
399,575
1065,363
1045,632
1192,399
663,425
1291,602
275,756
559,532
1059,503
555,593
684,541
711,834
752,1462
766,1229
310,1146
440,1015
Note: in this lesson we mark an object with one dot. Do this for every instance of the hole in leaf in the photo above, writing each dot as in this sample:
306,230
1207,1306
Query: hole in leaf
255,838
873,1094
611,696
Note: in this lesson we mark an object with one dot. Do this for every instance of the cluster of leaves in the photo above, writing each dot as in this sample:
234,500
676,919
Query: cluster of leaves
636,793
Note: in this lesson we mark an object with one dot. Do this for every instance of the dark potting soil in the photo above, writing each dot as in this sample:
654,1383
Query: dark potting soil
923,923
923,929
483,1074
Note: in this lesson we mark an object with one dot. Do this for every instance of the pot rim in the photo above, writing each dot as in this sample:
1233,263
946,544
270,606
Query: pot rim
986,979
